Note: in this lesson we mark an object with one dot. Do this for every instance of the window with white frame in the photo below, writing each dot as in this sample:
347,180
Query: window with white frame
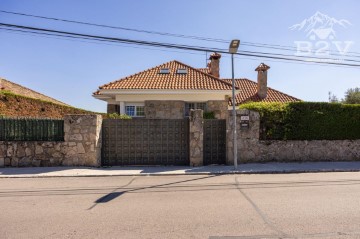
135,110
194,106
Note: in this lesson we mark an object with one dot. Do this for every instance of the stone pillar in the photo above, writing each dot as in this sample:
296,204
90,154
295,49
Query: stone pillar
230,139
247,138
196,141
83,138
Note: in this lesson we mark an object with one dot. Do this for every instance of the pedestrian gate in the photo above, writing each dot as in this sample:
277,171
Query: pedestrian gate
214,141
145,142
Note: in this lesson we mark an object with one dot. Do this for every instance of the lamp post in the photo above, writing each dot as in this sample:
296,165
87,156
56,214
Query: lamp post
233,48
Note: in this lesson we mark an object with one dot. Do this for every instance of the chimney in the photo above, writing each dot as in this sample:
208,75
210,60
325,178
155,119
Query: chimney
215,64
262,80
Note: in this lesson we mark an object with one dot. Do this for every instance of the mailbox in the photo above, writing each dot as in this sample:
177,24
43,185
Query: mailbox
244,121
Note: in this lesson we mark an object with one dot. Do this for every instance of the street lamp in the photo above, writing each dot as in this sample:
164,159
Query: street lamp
233,48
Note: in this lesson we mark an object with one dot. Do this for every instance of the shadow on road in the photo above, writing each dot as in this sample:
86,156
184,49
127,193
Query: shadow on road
114,194
175,187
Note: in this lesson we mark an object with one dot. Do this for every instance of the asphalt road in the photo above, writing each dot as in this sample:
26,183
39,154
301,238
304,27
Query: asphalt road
321,205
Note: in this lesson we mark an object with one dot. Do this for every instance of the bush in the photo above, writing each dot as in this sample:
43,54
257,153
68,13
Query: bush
307,120
208,115
118,116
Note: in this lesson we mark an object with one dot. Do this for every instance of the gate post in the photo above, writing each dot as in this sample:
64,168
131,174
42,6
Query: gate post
247,137
82,140
196,136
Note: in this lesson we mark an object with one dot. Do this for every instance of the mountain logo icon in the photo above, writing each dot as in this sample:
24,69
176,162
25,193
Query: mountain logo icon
320,26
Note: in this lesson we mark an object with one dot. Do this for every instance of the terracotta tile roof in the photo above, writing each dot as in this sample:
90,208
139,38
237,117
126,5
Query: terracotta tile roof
205,70
22,90
248,93
194,79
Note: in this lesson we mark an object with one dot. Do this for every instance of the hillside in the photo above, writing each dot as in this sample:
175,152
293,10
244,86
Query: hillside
6,85
17,105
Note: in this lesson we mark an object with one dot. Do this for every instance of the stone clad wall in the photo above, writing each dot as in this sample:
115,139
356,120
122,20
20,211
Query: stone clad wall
81,146
159,109
301,150
219,107
196,137
173,109
251,149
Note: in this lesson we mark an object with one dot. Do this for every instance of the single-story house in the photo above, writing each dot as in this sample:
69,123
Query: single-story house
171,89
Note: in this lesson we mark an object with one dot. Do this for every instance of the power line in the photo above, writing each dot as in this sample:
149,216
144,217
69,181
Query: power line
118,28
50,32
14,31
292,48
266,53
245,43
153,49
290,62
313,57
160,44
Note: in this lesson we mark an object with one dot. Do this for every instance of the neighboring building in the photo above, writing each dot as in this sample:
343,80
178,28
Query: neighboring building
170,90
21,90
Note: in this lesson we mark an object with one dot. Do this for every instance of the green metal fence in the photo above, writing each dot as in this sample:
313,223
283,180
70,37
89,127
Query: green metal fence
29,129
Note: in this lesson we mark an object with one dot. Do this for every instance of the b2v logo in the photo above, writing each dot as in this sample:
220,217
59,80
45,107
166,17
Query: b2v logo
320,30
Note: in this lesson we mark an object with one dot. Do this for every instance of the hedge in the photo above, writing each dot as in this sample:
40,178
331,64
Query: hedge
307,120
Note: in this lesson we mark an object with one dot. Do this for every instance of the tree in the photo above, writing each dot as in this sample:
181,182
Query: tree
333,98
352,96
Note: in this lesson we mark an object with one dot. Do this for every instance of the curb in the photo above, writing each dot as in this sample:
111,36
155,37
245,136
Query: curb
186,174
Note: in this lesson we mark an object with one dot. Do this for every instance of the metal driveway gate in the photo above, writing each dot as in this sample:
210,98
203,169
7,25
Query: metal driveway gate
145,142
214,141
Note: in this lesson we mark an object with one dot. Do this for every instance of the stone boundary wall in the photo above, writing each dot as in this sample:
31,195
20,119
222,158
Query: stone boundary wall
253,150
81,146
300,151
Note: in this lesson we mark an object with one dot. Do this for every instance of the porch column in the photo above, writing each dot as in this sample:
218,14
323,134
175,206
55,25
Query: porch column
122,107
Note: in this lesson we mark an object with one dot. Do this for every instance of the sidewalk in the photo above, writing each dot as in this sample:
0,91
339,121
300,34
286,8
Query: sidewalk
253,168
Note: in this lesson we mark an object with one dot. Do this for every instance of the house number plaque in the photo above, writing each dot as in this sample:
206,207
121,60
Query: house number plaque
244,121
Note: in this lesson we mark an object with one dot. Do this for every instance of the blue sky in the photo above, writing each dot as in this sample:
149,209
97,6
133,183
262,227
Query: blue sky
71,70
